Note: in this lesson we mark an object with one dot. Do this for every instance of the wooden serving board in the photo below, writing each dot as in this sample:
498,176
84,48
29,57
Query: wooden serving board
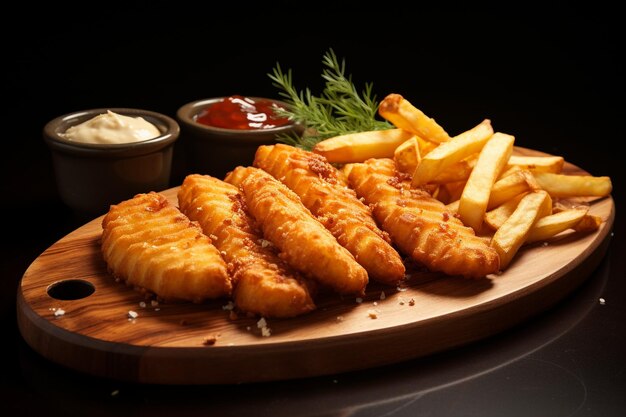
166,343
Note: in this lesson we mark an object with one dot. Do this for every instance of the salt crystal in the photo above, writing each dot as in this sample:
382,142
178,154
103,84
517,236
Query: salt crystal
59,312
602,301
142,304
132,314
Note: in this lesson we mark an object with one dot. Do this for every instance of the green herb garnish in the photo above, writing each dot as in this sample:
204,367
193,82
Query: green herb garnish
339,110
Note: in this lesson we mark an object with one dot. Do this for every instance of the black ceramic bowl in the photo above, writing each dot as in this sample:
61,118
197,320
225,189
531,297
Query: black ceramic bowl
216,151
90,177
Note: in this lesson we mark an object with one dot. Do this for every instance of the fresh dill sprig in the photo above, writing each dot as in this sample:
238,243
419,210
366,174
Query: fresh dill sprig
339,110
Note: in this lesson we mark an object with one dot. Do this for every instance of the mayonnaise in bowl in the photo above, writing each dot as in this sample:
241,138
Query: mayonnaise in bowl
112,128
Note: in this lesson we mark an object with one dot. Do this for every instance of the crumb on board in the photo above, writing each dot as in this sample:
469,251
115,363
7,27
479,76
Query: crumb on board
372,313
412,302
359,300
154,303
59,312
602,301
382,295
262,324
210,340
132,315
230,306
401,289
142,304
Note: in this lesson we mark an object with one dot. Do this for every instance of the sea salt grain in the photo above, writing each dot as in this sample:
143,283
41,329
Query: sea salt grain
142,304
59,312
602,301
132,314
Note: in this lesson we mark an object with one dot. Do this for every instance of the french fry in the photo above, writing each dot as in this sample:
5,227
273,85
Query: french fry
345,170
508,187
451,191
513,233
509,170
407,156
459,171
358,147
425,145
552,164
453,207
491,161
404,115
553,224
563,186
588,223
496,217
451,152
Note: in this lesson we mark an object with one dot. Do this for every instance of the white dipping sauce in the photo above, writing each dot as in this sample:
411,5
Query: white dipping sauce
112,128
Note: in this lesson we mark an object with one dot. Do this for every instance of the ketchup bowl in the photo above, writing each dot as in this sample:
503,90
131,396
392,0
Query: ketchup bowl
94,173
220,133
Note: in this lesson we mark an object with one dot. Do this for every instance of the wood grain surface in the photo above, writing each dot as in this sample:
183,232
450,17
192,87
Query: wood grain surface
166,343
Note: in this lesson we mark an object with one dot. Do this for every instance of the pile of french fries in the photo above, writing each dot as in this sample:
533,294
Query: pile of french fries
510,199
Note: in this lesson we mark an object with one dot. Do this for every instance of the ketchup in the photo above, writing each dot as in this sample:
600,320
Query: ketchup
243,113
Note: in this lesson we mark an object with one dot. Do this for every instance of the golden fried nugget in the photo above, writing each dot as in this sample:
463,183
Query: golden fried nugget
303,241
263,283
150,244
336,206
420,225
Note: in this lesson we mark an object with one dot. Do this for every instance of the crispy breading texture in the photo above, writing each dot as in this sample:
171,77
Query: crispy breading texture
150,244
420,225
263,283
303,241
336,206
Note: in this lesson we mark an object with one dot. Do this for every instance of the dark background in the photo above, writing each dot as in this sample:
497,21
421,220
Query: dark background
551,76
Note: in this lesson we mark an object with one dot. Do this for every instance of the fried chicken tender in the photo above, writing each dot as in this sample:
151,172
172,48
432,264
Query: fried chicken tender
303,241
263,283
420,225
150,244
320,188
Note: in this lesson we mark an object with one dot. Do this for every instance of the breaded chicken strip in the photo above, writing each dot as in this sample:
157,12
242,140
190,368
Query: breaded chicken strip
320,188
303,241
150,244
263,283
420,225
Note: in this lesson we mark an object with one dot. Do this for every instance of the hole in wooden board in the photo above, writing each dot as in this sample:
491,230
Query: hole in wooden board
71,289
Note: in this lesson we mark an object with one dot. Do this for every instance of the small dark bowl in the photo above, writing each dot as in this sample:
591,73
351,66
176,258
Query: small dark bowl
216,151
90,177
